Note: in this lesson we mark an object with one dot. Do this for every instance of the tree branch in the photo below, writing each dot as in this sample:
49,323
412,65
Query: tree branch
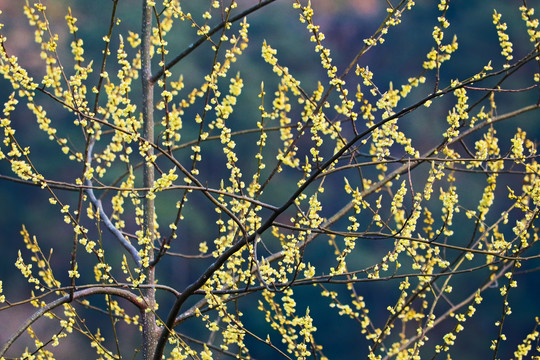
69,298
205,37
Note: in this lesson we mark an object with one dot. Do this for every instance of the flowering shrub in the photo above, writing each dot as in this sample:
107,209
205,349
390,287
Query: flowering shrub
325,194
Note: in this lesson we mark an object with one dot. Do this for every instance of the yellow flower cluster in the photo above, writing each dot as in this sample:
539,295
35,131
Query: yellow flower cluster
295,331
458,115
504,39
436,56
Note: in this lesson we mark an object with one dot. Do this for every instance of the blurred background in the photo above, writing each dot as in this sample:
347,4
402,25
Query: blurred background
345,23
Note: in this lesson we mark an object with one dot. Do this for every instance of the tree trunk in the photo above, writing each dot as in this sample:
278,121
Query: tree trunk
150,330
